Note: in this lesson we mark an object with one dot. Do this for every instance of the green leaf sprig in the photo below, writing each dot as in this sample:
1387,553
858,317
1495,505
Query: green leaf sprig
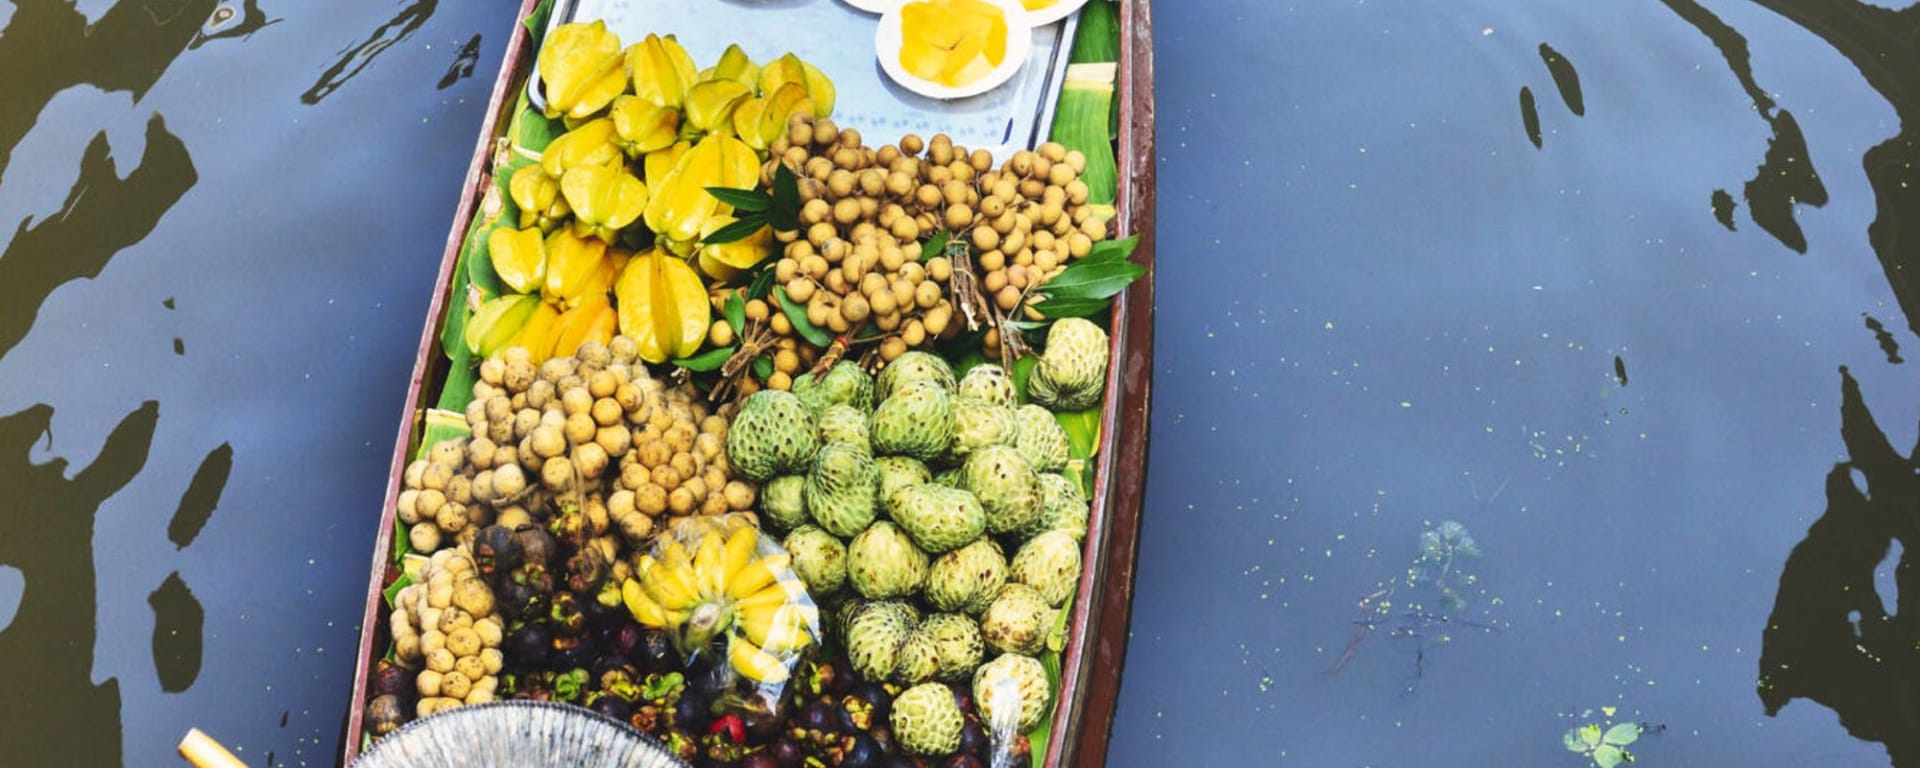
1089,284
1606,745
754,209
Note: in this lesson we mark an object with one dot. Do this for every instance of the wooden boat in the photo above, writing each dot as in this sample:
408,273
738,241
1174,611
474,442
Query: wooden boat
1097,629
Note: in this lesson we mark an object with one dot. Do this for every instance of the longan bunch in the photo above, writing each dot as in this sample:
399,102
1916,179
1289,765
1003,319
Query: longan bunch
1034,218
571,431
768,326
444,624
864,212
678,466
437,501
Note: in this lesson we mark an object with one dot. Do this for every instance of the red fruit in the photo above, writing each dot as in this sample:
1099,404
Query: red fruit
732,726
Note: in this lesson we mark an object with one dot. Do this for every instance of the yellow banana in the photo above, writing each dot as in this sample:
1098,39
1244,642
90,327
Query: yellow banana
707,565
757,575
673,586
643,608
674,553
779,629
738,552
756,664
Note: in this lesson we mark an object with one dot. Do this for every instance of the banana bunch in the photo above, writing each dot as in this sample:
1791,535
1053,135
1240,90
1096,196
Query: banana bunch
726,586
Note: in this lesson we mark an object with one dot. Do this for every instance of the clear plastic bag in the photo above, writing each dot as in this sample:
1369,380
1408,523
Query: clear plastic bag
729,598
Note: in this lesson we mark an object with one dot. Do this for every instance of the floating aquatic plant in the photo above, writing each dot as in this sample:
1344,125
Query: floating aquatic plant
1604,742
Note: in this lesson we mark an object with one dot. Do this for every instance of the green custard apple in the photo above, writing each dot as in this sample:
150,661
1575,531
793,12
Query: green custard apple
783,502
909,368
1040,438
819,559
883,563
1050,563
938,518
897,472
1072,372
988,382
1017,620
978,424
926,720
873,634
1006,486
967,579
1011,689
957,638
919,659
841,489
843,384
916,421
844,424
773,434
1063,506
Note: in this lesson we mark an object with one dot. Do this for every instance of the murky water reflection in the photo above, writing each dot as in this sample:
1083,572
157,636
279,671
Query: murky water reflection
1445,304
196,570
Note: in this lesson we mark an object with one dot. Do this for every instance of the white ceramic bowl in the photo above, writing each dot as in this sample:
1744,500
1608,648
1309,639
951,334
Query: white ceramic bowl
1052,13
888,39
877,6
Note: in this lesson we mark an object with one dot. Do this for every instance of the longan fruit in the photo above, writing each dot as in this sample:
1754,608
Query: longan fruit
1017,276
836,282
1008,298
835,250
899,184
590,460
837,323
882,303
817,311
1032,189
927,196
821,232
872,182
940,268
540,394
615,439
786,269
800,289
1014,241
652,453
814,266
781,325
994,281
991,261
913,333
424,536
721,334
779,380
1079,245
786,360
574,401
892,349
819,167
984,238
906,229
606,412
959,216
556,368
1094,229
518,374
757,310
926,294
940,149
557,474
855,309
650,499
911,144
666,476
1077,192
580,428
846,211
547,441
695,486
1045,260
1060,174
841,183
493,371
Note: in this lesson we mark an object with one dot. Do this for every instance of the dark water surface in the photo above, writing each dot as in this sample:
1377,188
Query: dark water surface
1383,308
1581,277
194,438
